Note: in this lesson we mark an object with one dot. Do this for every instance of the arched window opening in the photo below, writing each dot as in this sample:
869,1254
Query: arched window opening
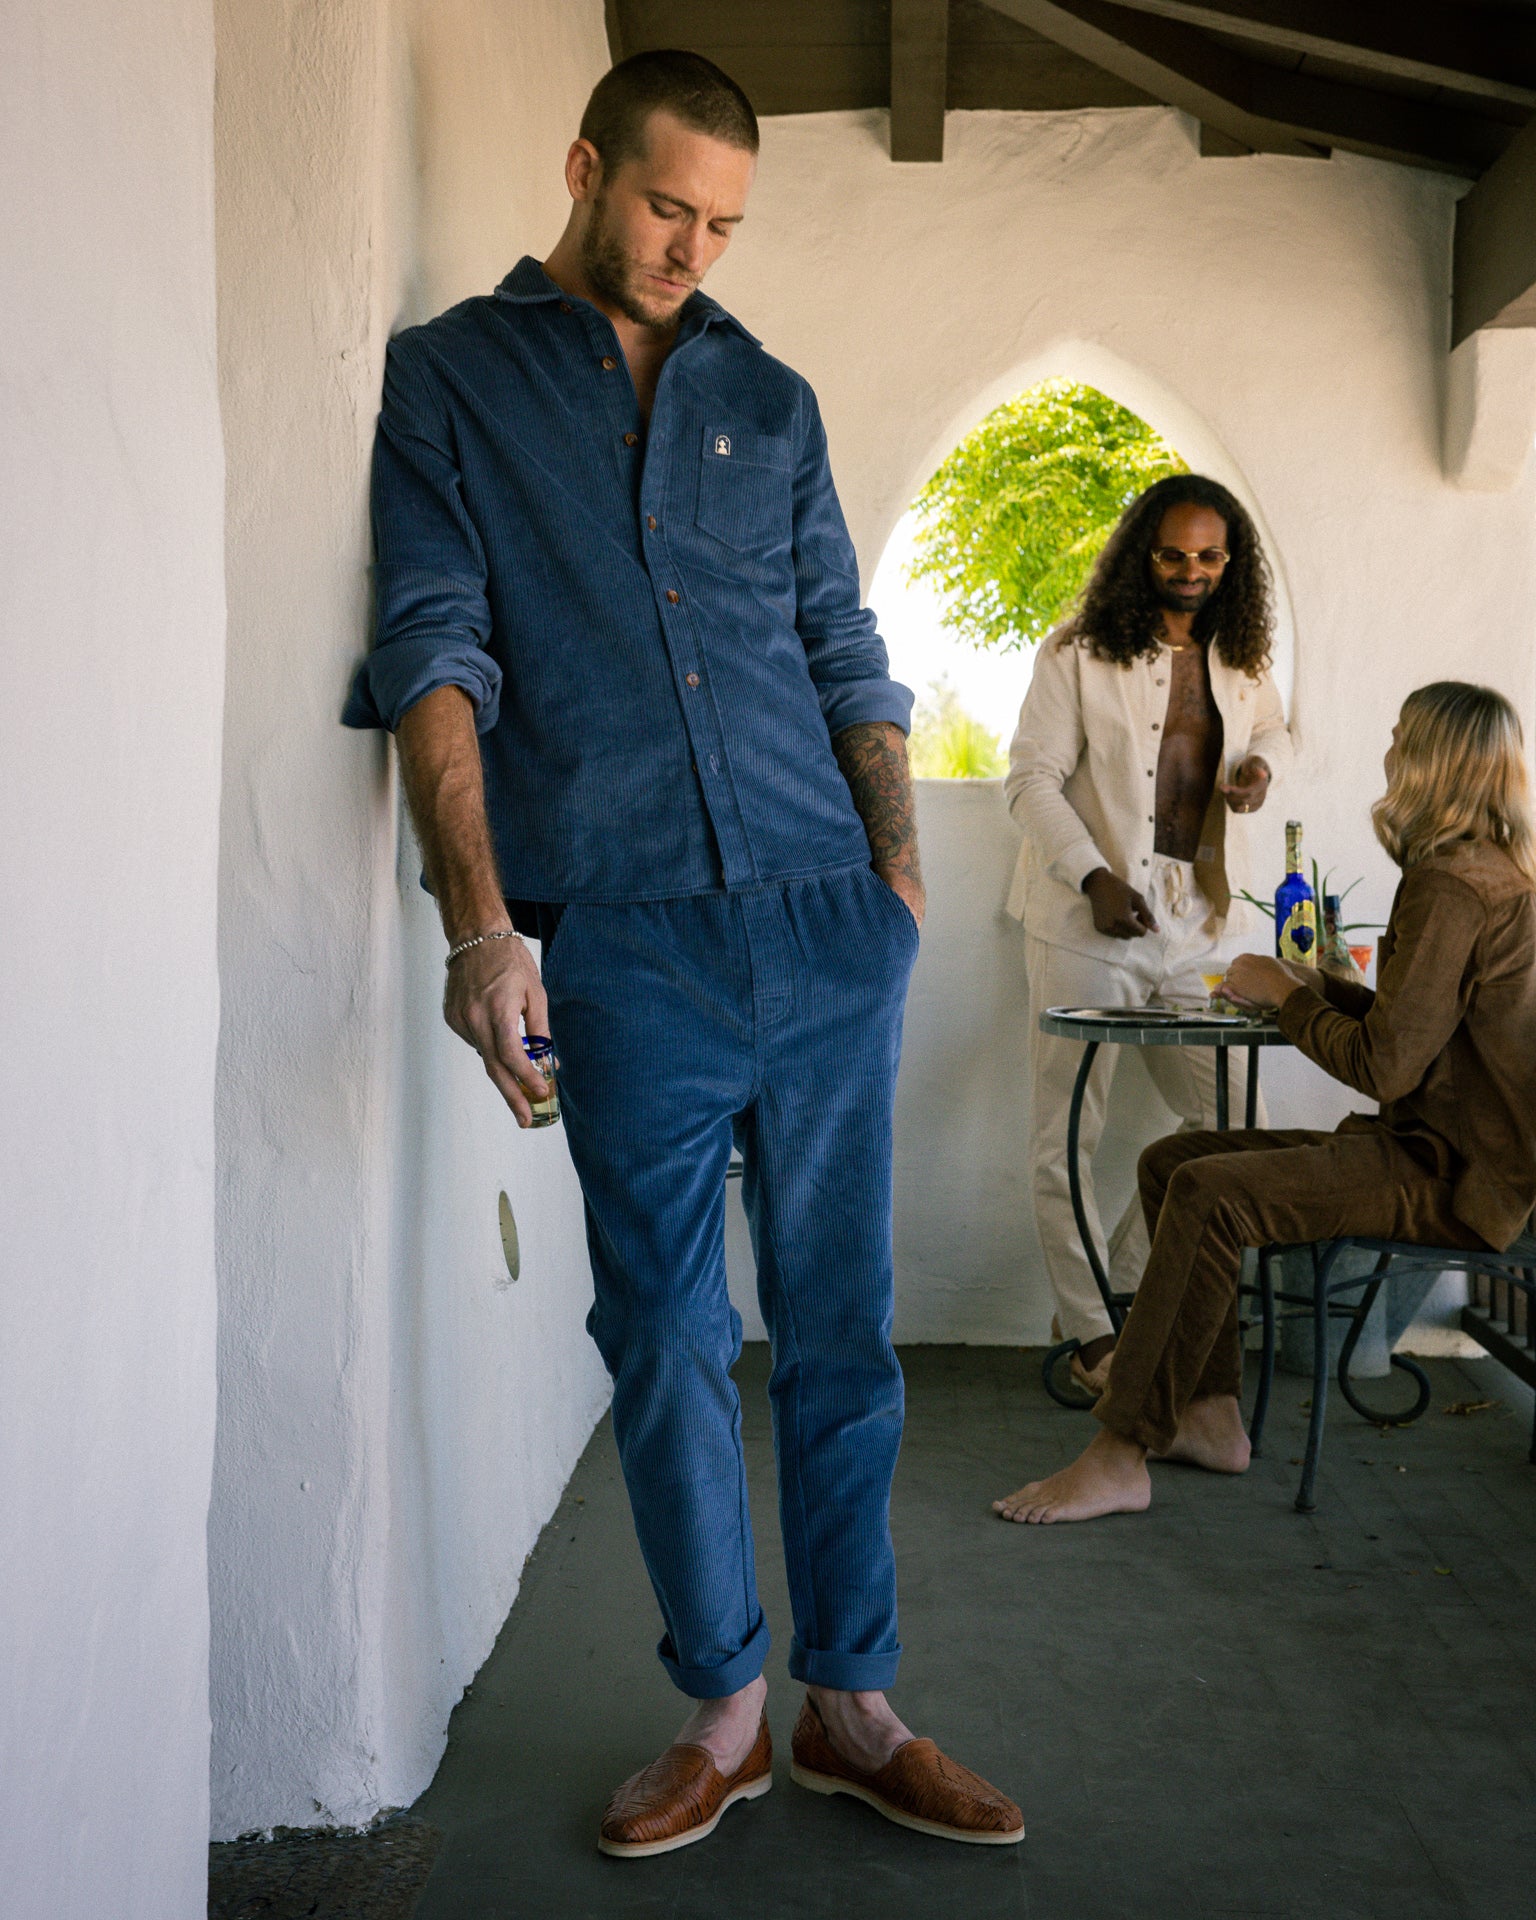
993,552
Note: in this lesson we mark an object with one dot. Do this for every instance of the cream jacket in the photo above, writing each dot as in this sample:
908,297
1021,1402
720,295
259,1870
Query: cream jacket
1082,778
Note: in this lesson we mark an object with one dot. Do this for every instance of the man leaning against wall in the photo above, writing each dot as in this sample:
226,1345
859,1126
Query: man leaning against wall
642,714
1150,736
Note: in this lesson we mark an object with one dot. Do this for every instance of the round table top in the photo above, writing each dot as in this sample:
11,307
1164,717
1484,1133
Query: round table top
1161,1027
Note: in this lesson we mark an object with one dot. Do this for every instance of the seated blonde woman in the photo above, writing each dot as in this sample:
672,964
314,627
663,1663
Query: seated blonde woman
1446,1044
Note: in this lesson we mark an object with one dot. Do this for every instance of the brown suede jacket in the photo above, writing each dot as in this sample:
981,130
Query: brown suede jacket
1447,1043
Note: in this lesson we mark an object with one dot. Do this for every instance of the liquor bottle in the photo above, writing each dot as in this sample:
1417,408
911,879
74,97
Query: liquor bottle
1295,905
1334,955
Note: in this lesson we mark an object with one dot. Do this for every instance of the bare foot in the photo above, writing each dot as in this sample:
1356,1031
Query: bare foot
863,1727
1108,1476
1211,1435
726,1728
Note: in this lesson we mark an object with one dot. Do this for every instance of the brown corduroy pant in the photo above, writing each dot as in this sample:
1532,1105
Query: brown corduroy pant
1207,1196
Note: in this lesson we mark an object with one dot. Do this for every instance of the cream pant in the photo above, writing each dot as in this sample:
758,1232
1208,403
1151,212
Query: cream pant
1169,963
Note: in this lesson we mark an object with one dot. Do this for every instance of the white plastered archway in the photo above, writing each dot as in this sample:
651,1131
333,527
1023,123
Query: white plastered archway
1179,423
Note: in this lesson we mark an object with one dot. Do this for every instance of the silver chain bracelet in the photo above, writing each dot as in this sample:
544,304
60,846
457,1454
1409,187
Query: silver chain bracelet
479,940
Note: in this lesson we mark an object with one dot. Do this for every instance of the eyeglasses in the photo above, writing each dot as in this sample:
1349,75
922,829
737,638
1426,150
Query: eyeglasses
1212,559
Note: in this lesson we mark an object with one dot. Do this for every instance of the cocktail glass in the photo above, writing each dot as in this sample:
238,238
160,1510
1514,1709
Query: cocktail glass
1214,1000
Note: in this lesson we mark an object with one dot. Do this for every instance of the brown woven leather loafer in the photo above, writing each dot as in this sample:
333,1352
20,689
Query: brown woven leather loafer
918,1787
680,1797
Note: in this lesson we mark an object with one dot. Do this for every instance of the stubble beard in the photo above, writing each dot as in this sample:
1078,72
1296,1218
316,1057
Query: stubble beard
610,271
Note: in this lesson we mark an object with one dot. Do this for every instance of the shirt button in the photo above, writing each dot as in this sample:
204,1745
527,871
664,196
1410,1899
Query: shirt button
1149,773
566,307
650,521
609,363
673,595
631,439
692,679
1150,821
1143,863
1157,683
1155,725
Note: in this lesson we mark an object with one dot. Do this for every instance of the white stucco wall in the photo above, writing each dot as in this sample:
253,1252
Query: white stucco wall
112,597
398,1414
495,1385
1284,323
396,1418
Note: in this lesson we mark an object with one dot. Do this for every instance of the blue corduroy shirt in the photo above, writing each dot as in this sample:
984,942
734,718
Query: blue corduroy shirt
660,626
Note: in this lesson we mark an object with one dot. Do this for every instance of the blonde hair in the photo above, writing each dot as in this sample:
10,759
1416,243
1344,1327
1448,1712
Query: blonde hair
1459,774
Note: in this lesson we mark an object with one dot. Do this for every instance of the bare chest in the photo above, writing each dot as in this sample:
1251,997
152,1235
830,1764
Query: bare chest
1189,756
1192,717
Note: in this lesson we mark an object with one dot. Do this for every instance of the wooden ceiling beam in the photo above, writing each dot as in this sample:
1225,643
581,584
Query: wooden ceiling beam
1494,275
1268,108
1388,126
1167,59
1491,54
919,78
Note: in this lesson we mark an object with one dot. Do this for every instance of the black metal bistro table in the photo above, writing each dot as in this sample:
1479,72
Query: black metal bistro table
1143,1027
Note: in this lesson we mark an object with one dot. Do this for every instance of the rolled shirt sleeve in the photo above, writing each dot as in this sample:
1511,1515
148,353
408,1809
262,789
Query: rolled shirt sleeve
847,658
433,620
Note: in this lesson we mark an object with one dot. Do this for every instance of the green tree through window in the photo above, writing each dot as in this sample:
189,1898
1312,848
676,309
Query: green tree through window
948,744
1011,523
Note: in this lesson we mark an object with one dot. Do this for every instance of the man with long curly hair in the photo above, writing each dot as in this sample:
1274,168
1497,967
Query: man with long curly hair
1150,734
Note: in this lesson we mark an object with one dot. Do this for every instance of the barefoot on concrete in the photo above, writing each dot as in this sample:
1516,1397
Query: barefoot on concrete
1108,1476
1211,1435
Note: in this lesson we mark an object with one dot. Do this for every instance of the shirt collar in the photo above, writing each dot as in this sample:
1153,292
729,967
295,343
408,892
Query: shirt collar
528,284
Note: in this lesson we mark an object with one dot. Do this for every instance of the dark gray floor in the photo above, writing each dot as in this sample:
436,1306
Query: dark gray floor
322,1873
1219,1709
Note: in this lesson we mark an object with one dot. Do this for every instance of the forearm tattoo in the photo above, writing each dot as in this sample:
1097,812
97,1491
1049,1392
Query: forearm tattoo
873,759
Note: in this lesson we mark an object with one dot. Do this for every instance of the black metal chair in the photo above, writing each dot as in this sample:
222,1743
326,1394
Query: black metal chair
1515,1268
1267,1296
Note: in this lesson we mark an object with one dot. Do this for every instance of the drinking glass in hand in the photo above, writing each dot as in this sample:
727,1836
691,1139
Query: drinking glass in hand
542,1053
1213,982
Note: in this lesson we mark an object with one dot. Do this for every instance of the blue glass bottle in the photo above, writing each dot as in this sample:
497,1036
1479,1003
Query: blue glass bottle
1295,905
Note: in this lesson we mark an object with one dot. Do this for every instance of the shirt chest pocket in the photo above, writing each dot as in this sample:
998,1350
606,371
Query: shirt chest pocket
745,491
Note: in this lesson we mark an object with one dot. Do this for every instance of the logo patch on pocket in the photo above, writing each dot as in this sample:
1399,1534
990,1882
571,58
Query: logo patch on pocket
722,443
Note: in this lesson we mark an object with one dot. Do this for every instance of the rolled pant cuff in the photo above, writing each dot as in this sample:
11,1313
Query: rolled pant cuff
1133,1426
716,1683
843,1672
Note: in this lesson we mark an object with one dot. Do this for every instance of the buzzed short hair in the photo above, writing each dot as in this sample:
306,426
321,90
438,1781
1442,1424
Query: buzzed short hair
686,85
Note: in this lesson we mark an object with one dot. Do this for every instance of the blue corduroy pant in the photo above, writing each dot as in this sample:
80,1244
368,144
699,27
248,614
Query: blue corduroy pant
771,1015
